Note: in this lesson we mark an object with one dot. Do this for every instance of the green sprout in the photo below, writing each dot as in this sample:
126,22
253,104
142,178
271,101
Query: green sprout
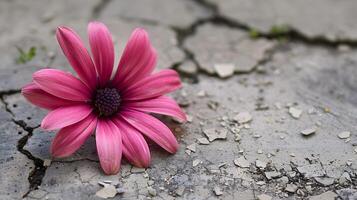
253,33
280,32
25,56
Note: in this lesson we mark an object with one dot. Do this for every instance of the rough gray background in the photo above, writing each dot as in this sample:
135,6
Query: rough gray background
264,57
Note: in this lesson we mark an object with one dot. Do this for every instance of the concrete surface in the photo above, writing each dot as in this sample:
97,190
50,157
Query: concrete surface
249,92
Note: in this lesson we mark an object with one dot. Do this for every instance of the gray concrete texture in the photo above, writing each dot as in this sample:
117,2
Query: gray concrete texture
270,90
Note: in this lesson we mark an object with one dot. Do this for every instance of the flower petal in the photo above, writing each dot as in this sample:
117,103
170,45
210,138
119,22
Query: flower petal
77,55
153,86
65,116
102,47
137,61
161,105
109,146
38,97
135,148
152,128
61,84
70,139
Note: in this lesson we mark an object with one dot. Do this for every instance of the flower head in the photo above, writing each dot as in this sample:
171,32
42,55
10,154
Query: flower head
114,107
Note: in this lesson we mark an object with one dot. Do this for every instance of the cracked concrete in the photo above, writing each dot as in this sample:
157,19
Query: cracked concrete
310,67
326,19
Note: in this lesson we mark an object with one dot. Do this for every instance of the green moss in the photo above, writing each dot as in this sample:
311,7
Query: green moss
279,30
26,56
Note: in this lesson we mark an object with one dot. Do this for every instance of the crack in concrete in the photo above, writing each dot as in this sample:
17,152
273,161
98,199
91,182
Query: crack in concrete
98,9
290,34
36,175
183,33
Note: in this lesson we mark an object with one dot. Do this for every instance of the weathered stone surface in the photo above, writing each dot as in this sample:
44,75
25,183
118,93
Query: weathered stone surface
163,39
315,20
216,45
166,12
14,166
24,111
31,24
40,142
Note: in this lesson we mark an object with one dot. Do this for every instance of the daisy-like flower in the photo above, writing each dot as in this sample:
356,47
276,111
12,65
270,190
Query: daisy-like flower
115,107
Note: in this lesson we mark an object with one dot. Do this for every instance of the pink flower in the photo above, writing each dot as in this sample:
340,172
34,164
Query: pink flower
115,108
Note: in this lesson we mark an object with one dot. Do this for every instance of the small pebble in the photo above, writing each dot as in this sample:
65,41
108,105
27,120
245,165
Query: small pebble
224,70
260,164
308,131
242,162
243,117
217,191
196,162
295,113
344,135
47,162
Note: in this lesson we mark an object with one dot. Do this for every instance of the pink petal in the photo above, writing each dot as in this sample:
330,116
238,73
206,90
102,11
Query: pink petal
152,128
69,139
61,84
65,116
101,44
109,146
40,98
135,148
161,105
153,86
77,55
137,61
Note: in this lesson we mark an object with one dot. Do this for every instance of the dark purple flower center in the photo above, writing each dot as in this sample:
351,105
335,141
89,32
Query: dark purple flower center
107,101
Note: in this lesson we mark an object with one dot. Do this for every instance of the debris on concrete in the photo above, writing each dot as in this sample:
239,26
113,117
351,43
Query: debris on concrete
196,162
272,174
217,191
203,141
108,191
264,197
243,117
242,162
308,132
47,162
188,67
344,178
344,135
295,112
260,164
213,134
329,195
325,181
291,188
191,147
224,70
312,170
